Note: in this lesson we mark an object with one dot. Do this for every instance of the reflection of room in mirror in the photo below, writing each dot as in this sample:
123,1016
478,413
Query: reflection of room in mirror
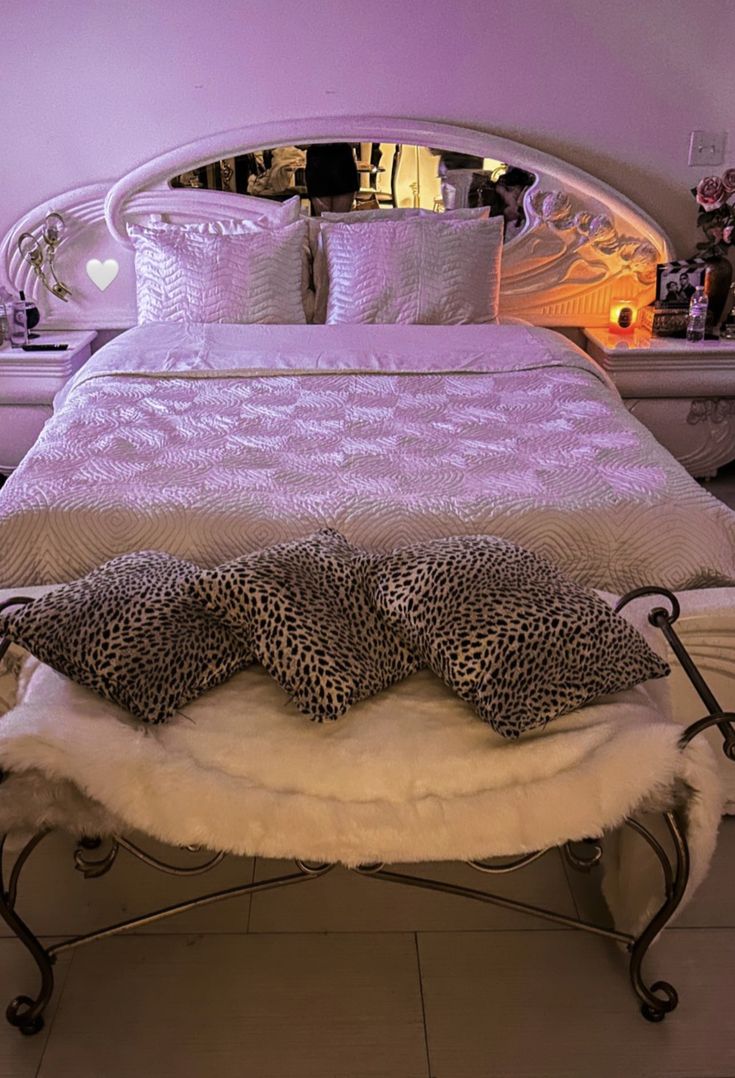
389,176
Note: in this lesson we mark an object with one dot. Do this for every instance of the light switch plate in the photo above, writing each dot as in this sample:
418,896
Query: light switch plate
707,147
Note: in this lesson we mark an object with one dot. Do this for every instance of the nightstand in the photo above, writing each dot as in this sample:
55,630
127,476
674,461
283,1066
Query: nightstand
683,392
29,382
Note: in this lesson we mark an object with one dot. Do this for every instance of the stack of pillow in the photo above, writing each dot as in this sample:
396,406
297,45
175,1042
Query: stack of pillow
387,266
224,271
507,631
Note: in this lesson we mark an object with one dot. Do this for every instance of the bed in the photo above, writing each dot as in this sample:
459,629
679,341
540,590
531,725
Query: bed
218,439
212,440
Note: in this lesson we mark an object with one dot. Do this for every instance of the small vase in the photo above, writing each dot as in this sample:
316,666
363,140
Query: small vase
717,280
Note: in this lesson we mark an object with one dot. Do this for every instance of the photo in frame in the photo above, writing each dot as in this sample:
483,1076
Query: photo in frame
676,281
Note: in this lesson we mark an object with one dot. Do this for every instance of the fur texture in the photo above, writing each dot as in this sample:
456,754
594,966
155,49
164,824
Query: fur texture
406,776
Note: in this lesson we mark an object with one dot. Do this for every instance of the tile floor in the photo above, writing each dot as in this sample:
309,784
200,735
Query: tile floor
344,977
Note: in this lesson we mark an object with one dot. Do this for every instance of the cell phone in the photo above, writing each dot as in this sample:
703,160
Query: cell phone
44,347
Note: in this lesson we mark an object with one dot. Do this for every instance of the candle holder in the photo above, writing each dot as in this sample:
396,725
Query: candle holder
623,315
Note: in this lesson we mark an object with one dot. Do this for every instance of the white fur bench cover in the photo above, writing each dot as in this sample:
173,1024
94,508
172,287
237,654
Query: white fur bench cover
408,775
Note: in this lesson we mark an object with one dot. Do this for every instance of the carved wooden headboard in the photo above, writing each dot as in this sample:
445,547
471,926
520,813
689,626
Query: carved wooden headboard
583,244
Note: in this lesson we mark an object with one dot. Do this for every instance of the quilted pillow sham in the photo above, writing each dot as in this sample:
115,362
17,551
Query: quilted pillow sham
131,632
508,631
270,215
463,213
319,225
425,270
305,606
262,212
186,273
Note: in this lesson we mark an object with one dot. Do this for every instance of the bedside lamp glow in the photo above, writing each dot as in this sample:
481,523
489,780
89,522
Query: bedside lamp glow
623,314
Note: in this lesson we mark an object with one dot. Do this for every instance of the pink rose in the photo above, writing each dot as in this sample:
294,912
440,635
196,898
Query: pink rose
711,193
728,181
727,233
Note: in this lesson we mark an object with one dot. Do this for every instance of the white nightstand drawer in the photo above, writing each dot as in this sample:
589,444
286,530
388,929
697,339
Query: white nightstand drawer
29,381
683,392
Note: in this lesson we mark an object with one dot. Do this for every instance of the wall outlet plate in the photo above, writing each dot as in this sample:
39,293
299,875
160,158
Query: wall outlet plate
707,147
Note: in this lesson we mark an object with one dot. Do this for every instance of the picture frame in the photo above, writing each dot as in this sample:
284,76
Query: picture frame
676,282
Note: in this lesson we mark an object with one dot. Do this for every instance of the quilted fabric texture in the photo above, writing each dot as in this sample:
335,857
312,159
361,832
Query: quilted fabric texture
187,273
130,631
271,215
425,270
507,631
305,606
264,214
463,213
317,227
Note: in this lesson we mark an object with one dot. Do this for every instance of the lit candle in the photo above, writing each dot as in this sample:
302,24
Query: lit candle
622,316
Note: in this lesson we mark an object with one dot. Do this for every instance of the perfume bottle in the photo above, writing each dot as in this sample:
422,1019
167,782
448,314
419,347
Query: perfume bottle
697,316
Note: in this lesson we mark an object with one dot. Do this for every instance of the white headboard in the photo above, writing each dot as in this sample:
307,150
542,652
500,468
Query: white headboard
583,244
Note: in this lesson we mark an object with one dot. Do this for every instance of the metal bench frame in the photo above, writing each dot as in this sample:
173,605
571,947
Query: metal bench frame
94,856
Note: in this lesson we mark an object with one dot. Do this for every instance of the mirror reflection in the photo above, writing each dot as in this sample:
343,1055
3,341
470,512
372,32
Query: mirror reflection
349,177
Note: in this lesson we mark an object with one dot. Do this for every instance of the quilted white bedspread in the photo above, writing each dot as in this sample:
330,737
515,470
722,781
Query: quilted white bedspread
211,441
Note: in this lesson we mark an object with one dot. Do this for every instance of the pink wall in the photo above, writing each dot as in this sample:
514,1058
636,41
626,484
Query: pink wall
91,89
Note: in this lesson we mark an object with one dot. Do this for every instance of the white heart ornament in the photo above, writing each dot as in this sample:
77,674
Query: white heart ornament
102,273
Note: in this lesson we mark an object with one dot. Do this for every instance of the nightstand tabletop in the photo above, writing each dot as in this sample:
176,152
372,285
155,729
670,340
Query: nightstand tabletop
641,342
646,366
14,361
35,377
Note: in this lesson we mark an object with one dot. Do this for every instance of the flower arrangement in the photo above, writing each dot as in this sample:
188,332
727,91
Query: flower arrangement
715,196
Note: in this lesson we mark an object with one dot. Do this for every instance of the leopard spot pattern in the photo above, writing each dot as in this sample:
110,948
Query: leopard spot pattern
508,631
130,631
306,606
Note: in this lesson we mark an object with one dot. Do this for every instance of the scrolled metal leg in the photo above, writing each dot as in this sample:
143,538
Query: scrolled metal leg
586,857
25,1013
94,867
661,998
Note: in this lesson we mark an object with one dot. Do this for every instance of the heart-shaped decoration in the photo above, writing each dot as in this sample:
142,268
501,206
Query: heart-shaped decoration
102,273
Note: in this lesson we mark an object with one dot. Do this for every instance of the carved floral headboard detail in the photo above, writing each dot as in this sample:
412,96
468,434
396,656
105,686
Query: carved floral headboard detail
583,244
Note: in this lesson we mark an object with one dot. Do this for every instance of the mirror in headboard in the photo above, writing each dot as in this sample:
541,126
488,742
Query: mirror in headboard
370,176
574,244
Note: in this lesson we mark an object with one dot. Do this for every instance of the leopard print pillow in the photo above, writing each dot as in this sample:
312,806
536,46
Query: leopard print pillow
509,632
130,631
306,608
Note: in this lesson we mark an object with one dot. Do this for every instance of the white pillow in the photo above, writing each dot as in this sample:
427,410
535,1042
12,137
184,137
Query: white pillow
285,213
320,273
269,214
289,212
192,273
317,225
463,213
389,213
424,270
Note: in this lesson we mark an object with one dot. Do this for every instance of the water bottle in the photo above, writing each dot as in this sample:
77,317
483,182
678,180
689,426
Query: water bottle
697,316
16,313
